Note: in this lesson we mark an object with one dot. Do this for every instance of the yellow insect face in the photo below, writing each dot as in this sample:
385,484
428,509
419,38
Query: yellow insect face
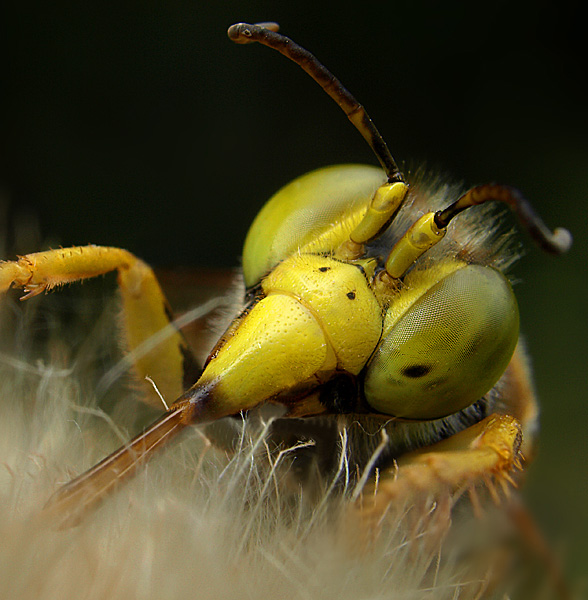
376,306
426,347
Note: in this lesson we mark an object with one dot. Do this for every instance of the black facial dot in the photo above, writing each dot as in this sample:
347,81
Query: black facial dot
351,295
416,371
324,269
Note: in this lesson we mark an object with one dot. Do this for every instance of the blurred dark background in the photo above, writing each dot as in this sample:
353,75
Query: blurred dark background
138,124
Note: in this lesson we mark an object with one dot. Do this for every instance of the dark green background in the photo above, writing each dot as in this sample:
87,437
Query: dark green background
138,124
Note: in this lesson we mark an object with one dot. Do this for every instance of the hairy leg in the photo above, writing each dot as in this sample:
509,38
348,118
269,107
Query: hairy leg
157,349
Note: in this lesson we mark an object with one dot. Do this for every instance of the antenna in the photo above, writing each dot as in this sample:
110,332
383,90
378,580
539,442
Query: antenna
556,242
267,34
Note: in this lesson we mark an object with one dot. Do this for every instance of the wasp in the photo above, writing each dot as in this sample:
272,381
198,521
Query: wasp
377,321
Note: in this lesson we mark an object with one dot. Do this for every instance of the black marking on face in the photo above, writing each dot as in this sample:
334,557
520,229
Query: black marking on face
324,269
351,295
416,371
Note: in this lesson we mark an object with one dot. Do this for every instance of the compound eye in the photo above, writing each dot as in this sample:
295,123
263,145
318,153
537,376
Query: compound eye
447,349
309,210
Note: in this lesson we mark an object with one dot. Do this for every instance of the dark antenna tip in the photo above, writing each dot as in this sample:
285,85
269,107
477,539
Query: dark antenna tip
240,33
558,241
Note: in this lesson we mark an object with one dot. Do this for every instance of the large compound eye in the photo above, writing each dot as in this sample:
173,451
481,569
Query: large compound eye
317,209
447,349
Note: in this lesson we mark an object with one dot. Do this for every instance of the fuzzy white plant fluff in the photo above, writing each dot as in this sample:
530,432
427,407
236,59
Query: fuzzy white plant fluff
197,522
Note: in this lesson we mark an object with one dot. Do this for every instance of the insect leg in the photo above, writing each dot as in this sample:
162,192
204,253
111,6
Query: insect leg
485,453
485,456
158,349
417,499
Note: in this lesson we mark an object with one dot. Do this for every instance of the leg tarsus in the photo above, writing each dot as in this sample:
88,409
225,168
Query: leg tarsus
423,499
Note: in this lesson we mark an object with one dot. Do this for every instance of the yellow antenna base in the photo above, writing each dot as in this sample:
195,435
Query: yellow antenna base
386,201
423,235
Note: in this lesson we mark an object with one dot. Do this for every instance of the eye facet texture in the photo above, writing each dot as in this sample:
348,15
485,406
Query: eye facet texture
447,349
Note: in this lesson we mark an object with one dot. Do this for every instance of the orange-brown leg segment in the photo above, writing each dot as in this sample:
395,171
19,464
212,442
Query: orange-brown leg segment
427,482
485,453
417,497
158,349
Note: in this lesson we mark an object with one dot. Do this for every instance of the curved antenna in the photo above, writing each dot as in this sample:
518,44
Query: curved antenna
432,227
556,242
267,34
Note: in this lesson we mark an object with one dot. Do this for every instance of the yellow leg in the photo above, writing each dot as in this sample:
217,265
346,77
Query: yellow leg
423,486
416,498
158,350
485,453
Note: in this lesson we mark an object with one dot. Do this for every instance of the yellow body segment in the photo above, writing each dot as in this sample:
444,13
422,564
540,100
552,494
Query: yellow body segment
341,297
386,201
278,345
414,285
423,235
